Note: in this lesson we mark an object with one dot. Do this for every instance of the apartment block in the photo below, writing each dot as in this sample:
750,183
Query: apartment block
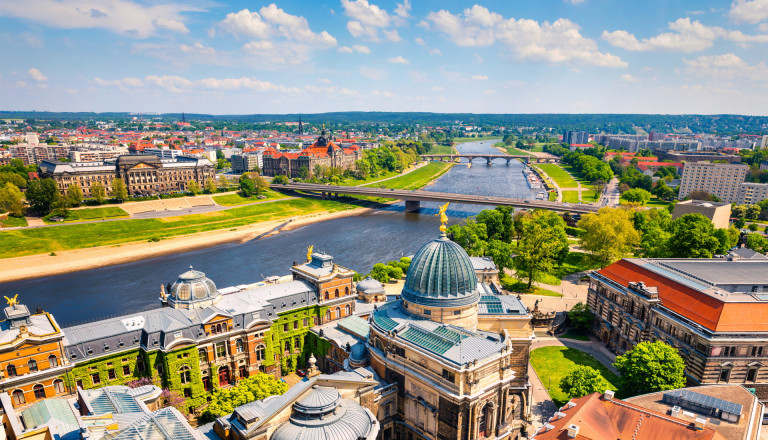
719,179
751,193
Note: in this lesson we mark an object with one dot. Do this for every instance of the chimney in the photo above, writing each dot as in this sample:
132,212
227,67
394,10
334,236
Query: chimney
675,411
573,431
700,423
609,395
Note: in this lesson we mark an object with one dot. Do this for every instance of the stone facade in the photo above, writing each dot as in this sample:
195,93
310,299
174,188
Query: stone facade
324,152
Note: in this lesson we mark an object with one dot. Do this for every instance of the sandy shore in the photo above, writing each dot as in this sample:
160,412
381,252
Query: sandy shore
35,266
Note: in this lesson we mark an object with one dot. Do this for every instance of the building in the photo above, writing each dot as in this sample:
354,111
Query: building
35,153
455,353
711,310
163,152
324,153
244,163
485,269
575,137
370,290
696,156
142,174
602,416
718,213
751,193
719,179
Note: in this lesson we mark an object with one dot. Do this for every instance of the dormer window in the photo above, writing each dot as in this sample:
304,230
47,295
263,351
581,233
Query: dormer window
88,350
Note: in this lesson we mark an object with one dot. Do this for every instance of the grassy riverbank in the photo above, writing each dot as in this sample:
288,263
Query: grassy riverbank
416,179
45,240
86,214
237,199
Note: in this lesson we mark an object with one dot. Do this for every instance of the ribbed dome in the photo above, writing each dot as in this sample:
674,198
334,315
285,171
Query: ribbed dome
359,353
319,400
441,275
192,287
369,285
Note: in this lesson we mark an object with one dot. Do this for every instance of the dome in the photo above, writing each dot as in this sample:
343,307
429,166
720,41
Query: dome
359,353
441,275
319,400
369,285
193,287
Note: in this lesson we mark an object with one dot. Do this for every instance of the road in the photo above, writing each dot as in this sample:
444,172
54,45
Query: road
611,194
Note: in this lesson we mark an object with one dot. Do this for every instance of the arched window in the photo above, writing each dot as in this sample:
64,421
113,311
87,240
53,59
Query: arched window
11,370
18,397
287,345
338,312
327,315
346,291
347,310
185,374
218,328
325,295
239,346
52,361
260,352
336,293
39,391
32,365
58,386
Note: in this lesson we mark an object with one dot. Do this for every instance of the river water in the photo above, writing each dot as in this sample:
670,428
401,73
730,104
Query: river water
355,242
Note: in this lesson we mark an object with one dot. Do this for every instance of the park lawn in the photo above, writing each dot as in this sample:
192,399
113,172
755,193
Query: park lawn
575,262
13,222
588,195
576,175
416,179
575,334
571,197
553,363
237,199
441,149
357,182
86,214
545,292
657,203
56,238
562,178
552,196
512,150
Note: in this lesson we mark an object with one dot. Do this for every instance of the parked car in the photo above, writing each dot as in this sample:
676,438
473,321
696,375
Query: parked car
301,373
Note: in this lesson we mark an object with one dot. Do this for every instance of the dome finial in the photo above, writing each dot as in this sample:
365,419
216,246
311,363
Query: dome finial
443,217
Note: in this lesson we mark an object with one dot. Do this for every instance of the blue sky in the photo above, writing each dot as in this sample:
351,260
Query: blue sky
235,57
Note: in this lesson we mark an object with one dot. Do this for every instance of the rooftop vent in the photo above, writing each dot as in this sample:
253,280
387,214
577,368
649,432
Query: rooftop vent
675,411
700,423
609,395
573,431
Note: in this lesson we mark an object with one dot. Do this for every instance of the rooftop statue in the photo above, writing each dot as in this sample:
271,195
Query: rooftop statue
12,301
309,253
443,217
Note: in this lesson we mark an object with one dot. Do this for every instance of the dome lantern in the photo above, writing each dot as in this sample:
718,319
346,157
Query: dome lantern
193,290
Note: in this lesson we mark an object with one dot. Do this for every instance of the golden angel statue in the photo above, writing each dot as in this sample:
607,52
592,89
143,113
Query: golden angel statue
12,301
309,253
443,217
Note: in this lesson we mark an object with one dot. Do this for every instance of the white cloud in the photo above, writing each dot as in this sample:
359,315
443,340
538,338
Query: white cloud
435,52
20,84
403,8
749,11
356,48
398,60
374,74
417,76
479,77
281,53
727,66
331,90
345,49
478,59
630,78
558,42
686,36
273,21
246,23
324,81
575,2
120,16
37,75
124,83
180,84
197,48
392,35
367,19
420,41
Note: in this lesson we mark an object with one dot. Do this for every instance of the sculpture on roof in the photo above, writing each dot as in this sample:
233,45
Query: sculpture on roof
309,252
443,217
12,301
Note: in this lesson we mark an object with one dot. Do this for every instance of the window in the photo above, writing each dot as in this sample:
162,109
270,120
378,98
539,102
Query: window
725,374
327,315
185,374
295,325
58,386
39,391
448,375
427,312
296,343
287,345
346,291
752,375
187,392
159,369
126,370
756,351
260,353
338,312
79,384
221,350
347,310
140,365
729,351
111,374
52,361
203,354
239,346
95,379
32,365
306,322
18,397
314,320
336,293
325,295
11,370
285,327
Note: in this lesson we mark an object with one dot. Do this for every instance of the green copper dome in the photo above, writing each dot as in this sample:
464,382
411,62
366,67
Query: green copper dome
441,275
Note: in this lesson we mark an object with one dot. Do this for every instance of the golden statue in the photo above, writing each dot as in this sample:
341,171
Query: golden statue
12,301
309,253
443,217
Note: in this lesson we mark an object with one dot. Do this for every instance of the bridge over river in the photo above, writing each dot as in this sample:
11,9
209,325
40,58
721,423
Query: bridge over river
488,158
413,198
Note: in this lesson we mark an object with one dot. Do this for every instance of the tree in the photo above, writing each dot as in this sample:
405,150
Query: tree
581,317
727,238
636,196
740,223
210,186
247,186
303,172
702,195
223,181
472,236
193,187
119,191
753,211
98,192
256,387
74,195
757,242
541,245
692,236
260,184
608,234
650,367
42,194
280,180
739,211
11,200
583,380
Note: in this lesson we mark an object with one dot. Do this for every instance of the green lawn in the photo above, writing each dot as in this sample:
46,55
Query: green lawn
512,150
86,214
552,363
571,197
562,178
355,182
13,222
576,335
442,149
657,203
237,199
552,196
579,178
416,179
575,262
45,240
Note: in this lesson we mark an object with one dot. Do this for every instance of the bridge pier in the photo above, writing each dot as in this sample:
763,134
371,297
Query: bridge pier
325,195
412,206
508,161
488,161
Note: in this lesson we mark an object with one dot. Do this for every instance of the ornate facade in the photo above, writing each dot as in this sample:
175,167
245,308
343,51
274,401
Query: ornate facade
324,152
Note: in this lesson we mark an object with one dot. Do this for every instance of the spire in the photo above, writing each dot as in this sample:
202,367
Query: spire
301,127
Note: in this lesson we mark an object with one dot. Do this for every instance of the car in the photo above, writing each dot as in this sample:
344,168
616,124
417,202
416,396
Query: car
301,373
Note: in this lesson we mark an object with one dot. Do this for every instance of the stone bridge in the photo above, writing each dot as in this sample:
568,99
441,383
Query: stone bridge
488,158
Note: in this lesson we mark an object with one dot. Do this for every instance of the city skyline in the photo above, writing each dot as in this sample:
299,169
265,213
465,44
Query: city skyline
577,56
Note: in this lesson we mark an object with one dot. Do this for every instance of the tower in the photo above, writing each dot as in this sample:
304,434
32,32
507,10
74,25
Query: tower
301,127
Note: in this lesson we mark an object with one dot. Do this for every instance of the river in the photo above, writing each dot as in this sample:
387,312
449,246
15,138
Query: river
355,242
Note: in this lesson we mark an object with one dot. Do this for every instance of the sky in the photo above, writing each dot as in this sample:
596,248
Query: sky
310,56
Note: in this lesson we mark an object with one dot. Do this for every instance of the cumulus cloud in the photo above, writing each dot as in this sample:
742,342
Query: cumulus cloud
398,60
359,48
272,21
368,19
685,36
630,78
748,11
178,84
435,52
437,89
727,66
197,48
124,83
245,23
120,16
558,42
479,77
37,75
384,93
420,41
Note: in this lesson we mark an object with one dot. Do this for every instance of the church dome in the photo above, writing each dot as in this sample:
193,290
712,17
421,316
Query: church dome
369,285
191,288
441,275
358,355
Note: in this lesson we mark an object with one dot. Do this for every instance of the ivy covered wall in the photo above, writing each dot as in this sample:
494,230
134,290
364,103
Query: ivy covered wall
84,372
278,335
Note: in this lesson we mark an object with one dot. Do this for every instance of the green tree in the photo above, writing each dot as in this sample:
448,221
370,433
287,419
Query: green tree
193,187
650,367
42,195
753,227
637,196
540,247
583,380
119,191
247,187
74,195
727,238
98,192
739,211
472,236
11,200
223,181
256,387
260,184
280,180
608,235
581,317
757,242
740,223
692,236
501,254
303,172
753,211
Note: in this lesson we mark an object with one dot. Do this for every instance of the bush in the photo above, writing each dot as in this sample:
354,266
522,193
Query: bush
574,232
583,380
280,180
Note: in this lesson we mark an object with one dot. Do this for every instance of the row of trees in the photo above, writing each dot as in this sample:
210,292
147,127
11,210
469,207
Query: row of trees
392,270
591,167
256,387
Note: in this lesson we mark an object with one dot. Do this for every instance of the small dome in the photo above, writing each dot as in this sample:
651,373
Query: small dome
359,353
192,287
369,285
441,275
319,400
